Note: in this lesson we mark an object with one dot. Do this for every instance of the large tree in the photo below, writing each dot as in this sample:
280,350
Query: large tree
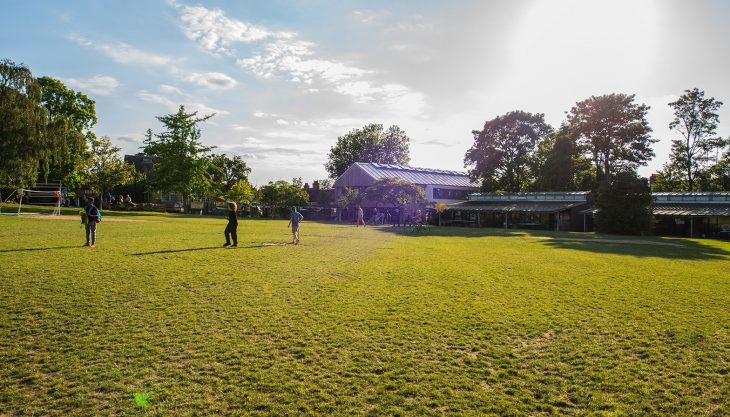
181,161
71,115
501,152
624,204
369,144
281,196
558,165
106,169
225,172
395,191
613,131
696,119
22,126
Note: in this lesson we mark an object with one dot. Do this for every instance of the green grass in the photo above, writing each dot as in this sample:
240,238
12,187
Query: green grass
159,320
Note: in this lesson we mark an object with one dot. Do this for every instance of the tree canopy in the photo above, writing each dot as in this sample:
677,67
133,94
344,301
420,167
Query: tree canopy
241,192
696,120
227,171
369,144
501,152
613,132
283,195
71,115
22,126
395,191
558,164
106,169
624,204
181,161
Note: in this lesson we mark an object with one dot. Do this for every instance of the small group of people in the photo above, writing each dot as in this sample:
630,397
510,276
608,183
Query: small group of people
398,218
119,202
231,231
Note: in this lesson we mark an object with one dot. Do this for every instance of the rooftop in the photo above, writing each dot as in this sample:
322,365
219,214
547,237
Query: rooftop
421,176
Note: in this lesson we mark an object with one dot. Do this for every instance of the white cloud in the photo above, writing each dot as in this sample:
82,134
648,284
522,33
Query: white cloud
102,85
211,80
285,56
216,32
154,98
290,59
123,53
282,122
165,88
259,114
236,126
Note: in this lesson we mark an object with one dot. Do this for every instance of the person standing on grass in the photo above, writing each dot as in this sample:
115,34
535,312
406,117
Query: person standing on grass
90,218
294,220
360,217
232,226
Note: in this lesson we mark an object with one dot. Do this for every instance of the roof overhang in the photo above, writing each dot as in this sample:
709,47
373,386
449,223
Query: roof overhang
516,206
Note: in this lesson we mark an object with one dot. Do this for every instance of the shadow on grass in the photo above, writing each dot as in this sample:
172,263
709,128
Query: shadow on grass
159,252
40,249
638,246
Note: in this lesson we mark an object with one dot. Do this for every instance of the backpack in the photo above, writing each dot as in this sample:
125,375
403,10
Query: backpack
96,216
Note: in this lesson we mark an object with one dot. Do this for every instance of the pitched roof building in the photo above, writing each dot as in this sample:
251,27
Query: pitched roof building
440,185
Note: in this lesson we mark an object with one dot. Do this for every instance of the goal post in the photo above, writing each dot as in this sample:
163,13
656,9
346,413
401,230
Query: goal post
43,197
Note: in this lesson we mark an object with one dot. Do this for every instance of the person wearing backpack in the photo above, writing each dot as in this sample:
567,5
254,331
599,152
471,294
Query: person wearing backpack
91,218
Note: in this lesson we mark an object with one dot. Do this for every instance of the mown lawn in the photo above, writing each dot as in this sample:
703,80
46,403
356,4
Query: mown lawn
159,320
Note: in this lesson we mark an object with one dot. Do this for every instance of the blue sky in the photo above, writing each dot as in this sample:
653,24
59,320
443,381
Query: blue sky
285,79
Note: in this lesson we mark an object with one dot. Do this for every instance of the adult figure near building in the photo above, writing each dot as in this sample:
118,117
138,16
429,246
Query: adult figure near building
360,217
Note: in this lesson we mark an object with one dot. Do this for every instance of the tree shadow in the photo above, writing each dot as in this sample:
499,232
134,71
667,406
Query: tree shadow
40,249
654,248
637,246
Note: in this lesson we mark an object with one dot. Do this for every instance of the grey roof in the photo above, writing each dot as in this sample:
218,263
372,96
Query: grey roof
692,198
692,210
581,196
684,210
516,206
421,176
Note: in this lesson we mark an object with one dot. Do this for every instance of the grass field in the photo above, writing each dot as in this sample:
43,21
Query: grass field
160,320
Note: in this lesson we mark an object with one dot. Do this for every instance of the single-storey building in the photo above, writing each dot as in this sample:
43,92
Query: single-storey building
441,186
699,214
546,211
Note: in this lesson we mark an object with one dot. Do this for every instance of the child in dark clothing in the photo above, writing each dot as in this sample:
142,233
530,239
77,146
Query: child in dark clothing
232,226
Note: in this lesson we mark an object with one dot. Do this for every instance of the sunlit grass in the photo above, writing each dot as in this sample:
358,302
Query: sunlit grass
159,319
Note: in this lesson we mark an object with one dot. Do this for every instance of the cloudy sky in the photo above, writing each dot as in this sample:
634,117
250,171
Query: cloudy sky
286,78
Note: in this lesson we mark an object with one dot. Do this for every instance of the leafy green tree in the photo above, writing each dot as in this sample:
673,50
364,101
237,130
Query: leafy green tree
227,171
71,115
181,161
106,168
22,126
719,174
395,191
500,156
326,184
613,132
281,196
669,178
558,165
241,192
369,144
624,205
696,119
350,197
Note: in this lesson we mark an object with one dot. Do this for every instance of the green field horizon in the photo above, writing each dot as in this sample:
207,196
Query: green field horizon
160,320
